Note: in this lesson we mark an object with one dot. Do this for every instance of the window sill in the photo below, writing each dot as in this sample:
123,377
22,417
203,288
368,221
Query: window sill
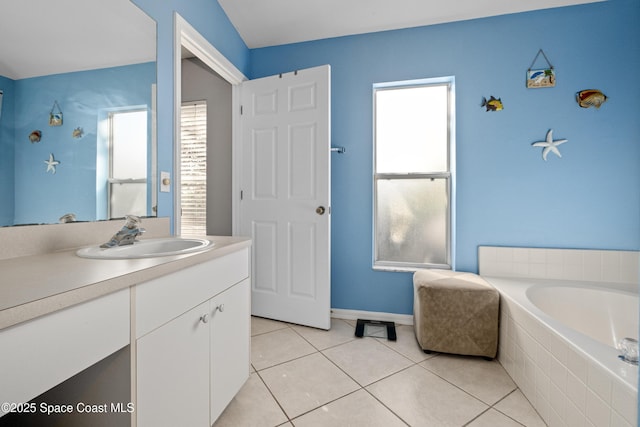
410,268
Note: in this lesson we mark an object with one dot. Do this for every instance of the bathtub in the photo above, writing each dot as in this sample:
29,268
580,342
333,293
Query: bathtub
558,343
603,314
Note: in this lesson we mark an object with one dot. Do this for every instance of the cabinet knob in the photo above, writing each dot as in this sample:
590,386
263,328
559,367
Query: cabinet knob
204,318
220,308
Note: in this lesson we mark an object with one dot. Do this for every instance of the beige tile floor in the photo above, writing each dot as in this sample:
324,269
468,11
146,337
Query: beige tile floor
309,377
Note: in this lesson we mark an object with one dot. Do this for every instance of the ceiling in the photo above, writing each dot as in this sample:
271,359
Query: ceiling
41,37
273,22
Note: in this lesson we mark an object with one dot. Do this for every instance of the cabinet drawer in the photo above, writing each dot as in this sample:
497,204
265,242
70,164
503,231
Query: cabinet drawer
160,300
41,353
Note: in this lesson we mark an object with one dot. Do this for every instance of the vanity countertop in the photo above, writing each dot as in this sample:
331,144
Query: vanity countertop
31,286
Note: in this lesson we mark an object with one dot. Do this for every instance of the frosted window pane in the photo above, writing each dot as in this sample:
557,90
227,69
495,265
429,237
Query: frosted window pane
129,145
411,128
128,198
412,221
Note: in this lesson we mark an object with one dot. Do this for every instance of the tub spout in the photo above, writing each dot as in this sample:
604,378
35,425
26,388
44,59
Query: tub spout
628,350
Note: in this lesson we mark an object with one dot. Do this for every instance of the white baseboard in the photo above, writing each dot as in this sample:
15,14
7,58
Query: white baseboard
401,319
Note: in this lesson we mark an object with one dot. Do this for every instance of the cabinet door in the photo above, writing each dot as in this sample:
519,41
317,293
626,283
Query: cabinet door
172,366
230,340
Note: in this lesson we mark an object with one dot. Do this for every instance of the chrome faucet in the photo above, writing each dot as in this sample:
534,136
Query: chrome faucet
127,234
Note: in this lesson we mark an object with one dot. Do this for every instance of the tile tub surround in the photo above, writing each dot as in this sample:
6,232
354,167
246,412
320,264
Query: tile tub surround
565,384
565,264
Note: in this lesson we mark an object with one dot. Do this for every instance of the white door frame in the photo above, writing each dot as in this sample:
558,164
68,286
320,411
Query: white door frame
188,37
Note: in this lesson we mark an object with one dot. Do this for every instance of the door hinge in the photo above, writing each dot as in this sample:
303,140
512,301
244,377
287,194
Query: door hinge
241,194
241,110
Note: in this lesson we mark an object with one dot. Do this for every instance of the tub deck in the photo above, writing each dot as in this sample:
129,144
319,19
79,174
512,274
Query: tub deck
565,374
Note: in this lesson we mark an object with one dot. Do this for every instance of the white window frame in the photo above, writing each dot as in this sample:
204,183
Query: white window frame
448,175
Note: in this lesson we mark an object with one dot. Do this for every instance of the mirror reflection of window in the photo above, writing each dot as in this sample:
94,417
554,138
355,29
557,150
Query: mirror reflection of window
127,163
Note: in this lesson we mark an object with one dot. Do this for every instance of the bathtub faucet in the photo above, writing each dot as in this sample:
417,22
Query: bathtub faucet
628,350
127,234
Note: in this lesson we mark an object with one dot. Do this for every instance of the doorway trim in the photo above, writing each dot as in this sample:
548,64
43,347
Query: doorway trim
188,37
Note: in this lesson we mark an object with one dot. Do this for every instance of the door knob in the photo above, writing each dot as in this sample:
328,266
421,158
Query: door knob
204,318
320,210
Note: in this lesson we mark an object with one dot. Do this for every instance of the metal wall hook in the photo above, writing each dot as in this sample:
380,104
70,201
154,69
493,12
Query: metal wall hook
339,150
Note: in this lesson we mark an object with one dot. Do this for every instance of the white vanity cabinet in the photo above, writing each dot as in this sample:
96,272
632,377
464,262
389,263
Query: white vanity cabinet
192,331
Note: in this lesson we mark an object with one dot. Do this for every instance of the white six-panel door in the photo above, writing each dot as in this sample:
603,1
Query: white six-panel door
286,194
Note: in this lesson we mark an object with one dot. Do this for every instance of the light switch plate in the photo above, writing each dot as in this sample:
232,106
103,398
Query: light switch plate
165,182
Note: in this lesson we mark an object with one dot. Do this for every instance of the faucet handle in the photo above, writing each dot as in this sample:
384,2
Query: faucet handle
67,218
133,221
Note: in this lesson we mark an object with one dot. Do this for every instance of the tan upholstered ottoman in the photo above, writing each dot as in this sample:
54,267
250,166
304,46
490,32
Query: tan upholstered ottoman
455,312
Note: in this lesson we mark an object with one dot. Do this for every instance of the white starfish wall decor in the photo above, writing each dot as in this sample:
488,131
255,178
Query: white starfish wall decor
549,145
51,164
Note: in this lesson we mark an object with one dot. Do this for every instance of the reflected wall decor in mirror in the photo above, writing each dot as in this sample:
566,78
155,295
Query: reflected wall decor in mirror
92,64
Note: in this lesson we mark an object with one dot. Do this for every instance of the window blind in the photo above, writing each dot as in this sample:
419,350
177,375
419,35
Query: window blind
193,168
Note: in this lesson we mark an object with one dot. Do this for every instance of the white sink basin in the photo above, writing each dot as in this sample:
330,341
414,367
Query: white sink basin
149,248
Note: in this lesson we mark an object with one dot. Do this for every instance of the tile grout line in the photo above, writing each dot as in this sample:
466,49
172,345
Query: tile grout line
492,406
274,398
507,415
364,387
381,402
361,387
289,419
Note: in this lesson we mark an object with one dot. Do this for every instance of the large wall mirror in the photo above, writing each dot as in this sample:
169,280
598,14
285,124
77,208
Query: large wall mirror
77,111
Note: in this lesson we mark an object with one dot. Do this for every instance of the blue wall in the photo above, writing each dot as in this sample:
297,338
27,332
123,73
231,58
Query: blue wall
506,193
6,152
41,196
209,19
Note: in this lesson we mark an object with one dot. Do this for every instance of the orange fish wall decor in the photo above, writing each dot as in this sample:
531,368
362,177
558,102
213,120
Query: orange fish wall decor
590,98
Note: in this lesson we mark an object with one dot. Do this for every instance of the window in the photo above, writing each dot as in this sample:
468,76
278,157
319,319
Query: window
127,163
193,168
412,174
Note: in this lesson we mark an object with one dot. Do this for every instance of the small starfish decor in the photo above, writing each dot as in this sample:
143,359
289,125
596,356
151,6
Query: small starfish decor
51,164
549,145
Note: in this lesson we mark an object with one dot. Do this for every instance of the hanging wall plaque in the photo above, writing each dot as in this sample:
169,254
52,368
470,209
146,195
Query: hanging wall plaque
541,77
55,116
